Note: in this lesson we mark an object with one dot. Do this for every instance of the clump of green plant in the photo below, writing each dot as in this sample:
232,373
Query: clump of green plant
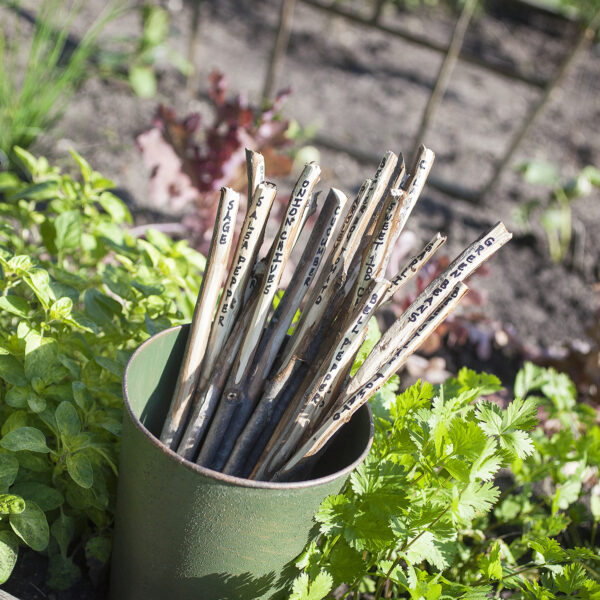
78,294
553,211
434,512
139,60
35,95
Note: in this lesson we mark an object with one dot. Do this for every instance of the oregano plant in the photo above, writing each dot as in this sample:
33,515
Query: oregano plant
78,294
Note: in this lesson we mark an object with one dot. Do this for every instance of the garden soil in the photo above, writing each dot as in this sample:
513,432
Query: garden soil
367,90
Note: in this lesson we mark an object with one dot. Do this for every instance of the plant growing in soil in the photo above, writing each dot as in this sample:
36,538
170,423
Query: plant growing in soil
78,294
430,514
190,161
35,95
553,211
139,60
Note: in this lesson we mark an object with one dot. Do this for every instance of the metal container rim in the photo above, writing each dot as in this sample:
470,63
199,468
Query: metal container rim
216,475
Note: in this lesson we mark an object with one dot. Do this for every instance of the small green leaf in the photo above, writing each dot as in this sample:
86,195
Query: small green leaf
100,307
549,548
8,181
63,530
82,396
46,497
80,469
9,546
45,190
20,264
64,573
15,305
11,370
84,165
17,396
156,25
25,438
71,365
67,419
9,467
41,359
112,366
48,233
538,172
61,309
32,527
16,419
491,566
97,549
304,589
39,282
68,230
143,81
115,207
35,403
27,160
10,504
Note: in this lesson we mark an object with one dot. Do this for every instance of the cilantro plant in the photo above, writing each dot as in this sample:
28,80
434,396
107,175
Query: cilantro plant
424,516
78,294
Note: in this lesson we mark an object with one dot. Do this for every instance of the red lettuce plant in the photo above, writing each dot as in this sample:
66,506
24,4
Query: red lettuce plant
190,161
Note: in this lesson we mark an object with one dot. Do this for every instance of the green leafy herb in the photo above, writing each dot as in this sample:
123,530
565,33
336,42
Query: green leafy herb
424,517
78,293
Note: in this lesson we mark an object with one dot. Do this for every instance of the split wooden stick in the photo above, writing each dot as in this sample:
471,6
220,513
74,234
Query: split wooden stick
255,168
412,185
350,403
216,267
206,399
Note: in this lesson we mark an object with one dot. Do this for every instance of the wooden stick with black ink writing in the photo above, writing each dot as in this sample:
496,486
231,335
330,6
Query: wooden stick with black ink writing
318,244
216,267
414,265
349,404
463,266
234,394
341,354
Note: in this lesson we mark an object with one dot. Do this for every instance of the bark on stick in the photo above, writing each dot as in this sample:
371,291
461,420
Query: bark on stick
349,404
216,267
234,396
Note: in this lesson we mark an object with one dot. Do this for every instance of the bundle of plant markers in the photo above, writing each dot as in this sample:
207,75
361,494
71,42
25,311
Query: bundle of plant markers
256,401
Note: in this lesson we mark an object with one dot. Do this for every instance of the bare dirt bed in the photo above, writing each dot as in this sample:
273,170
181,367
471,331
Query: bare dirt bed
368,90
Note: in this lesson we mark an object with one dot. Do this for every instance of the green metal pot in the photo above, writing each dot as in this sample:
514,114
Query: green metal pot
189,533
